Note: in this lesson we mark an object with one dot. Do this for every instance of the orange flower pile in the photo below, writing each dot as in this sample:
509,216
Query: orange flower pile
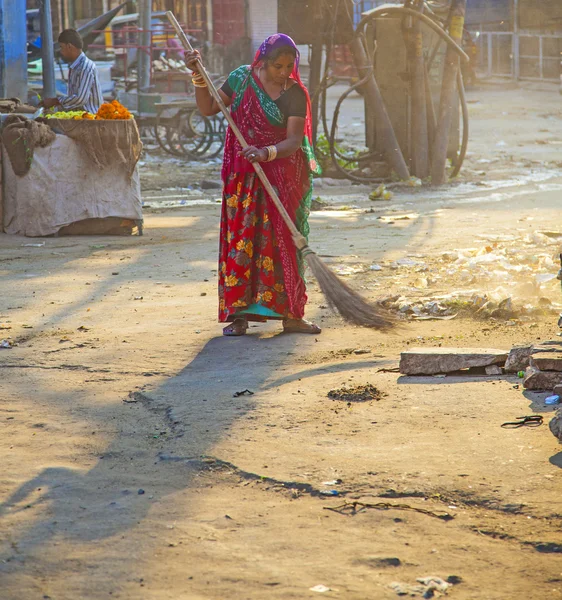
113,110
85,115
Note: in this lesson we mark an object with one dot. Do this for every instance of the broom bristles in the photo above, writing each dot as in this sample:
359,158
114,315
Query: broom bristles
347,302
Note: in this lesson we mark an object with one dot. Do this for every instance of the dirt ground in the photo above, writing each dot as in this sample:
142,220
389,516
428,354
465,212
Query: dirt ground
131,468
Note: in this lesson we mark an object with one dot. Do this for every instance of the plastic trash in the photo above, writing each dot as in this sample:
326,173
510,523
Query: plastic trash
320,589
521,374
552,400
380,193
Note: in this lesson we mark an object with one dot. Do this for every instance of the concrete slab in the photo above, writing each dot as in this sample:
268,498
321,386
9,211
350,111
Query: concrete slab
432,361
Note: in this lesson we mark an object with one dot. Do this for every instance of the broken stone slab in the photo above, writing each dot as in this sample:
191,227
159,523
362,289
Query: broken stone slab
433,361
536,379
548,361
493,370
520,356
557,391
518,359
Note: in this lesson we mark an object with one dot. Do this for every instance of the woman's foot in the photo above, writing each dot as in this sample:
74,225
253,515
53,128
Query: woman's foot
236,328
300,326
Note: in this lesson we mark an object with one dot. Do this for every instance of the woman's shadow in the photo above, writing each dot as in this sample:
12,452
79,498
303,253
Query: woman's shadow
185,416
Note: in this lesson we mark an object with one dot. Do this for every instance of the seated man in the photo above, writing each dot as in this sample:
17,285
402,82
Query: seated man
84,90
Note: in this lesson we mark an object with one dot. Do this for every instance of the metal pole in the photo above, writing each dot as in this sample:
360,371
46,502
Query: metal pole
144,58
47,52
449,100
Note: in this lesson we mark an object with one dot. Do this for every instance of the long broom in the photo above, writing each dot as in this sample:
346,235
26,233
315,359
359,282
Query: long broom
350,305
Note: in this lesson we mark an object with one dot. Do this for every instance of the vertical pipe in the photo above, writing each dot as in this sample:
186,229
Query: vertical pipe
419,108
449,100
47,52
144,58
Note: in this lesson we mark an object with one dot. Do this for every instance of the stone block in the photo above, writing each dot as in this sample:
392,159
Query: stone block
432,361
547,361
555,424
518,359
541,380
493,370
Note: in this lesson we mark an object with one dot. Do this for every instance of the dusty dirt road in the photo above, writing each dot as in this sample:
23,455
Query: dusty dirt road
130,470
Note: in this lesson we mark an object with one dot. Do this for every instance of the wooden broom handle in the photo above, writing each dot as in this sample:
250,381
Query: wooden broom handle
298,238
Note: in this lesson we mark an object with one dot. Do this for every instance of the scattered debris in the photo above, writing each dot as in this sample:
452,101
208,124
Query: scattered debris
6,344
431,587
381,193
392,218
320,589
243,393
432,361
555,399
83,328
360,393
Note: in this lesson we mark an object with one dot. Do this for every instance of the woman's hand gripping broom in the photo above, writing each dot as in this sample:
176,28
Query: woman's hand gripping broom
351,306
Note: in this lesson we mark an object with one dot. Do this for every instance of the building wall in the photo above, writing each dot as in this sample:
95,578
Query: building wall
262,20
229,21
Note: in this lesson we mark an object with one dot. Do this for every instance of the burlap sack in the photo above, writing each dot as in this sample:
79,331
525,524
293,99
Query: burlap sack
105,142
20,137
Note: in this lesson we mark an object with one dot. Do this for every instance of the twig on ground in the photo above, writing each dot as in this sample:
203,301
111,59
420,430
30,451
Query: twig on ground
351,508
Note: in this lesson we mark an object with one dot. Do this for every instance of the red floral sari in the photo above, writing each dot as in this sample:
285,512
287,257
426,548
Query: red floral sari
260,271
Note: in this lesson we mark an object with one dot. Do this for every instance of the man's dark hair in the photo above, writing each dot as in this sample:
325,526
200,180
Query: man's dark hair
71,36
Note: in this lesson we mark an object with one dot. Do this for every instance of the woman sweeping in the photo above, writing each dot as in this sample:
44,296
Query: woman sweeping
260,271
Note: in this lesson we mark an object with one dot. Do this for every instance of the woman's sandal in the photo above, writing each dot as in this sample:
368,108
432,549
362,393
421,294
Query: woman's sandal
300,326
236,328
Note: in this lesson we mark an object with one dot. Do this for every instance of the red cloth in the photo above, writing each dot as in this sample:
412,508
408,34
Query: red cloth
258,259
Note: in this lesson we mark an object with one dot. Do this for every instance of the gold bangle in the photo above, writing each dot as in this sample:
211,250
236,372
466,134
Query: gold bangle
200,85
271,153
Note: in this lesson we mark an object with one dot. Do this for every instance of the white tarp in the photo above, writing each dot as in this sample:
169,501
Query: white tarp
63,187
